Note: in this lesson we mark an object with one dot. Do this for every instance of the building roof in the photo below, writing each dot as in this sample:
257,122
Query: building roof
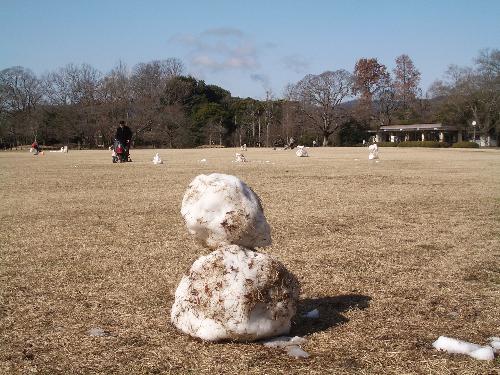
416,127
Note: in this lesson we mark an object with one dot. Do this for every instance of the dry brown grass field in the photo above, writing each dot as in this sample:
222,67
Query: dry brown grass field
393,254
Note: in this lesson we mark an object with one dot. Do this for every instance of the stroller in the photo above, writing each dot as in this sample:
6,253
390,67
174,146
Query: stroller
35,148
290,145
120,152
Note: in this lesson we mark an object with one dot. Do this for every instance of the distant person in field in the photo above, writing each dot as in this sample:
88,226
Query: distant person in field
35,147
123,134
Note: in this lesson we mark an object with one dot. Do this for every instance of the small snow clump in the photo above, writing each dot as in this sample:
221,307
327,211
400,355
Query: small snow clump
290,344
452,345
495,343
157,160
240,158
98,332
373,149
284,341
484,353
301,151
296,352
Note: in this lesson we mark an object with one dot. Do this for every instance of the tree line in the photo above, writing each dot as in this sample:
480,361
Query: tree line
81,106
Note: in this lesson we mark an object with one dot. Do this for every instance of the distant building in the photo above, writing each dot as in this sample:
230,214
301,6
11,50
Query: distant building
417,132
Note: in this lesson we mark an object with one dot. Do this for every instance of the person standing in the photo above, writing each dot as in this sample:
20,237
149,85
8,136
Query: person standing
124,136
123,133
35,147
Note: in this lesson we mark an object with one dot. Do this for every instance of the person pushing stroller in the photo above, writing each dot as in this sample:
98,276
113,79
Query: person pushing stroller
121,147
35,148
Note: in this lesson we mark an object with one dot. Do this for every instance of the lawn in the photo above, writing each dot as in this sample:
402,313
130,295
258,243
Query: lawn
393,254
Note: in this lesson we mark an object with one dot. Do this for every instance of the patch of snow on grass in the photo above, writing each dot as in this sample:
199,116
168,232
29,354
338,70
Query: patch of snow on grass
290,344
98,332
495,343
157,160
452,345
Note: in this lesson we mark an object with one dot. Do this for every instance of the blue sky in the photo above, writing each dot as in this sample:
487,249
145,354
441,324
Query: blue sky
247,47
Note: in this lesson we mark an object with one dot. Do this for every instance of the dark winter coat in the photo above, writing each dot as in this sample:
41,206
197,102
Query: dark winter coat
123,134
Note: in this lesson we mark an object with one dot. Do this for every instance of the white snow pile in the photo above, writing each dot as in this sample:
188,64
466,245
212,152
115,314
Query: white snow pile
237,294
495,344
290,344
157,160
220,209
233,293
98,332
244,147
63,149
301,151
373,152
240,158
451,345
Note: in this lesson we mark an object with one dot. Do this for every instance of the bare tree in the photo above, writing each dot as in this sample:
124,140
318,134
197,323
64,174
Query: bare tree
78,86
20,94
154,88
116,100
368,76
321,96
150,79
73,84
116,84
406,80
20,90
269,114
472,94
172,67
386,103
488,63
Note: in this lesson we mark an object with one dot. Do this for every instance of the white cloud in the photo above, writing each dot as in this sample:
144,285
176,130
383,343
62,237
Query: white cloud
219,49
203,60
